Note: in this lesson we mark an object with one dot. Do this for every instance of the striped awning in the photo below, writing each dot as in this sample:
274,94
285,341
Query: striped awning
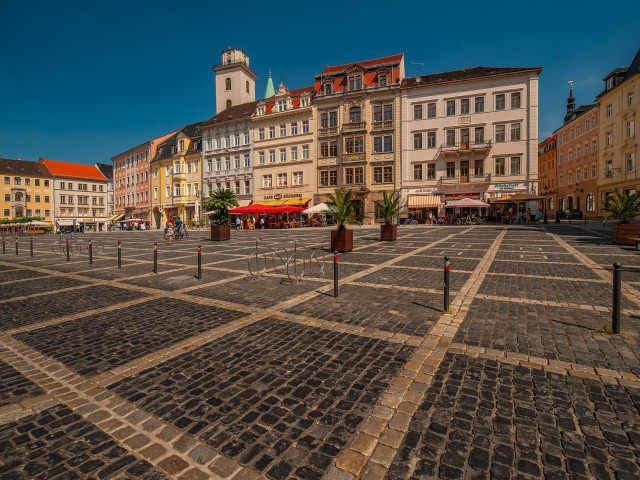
424,201
117,216
300,202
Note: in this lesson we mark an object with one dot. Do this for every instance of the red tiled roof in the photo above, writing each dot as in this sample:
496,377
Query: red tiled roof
376,62
73,170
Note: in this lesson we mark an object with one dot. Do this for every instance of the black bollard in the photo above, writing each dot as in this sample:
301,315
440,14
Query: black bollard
119,254
68,251
31,246
155,257
90,252
335,274
16,245
558,216
199,276
447,267
617,295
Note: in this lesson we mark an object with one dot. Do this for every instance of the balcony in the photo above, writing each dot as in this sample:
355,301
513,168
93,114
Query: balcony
354,127
327,132
464,147
386,125
179,177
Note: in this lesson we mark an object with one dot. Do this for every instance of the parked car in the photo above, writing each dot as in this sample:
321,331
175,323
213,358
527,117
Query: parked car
572,214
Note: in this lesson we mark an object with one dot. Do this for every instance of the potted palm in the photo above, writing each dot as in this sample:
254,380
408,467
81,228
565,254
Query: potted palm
624,208
220,201
341,208
389,208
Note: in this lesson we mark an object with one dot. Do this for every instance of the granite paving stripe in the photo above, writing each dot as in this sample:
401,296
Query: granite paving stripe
416,278
37,286
14,386
17,275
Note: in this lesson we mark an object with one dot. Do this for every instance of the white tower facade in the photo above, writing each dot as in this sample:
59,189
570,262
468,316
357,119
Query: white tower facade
235,81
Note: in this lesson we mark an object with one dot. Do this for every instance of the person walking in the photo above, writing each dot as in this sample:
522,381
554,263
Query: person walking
170,232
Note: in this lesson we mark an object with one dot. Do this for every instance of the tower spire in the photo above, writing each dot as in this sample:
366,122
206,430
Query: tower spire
571,102
270,91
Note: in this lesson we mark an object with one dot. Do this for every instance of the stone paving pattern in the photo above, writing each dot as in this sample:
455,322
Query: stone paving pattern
110,373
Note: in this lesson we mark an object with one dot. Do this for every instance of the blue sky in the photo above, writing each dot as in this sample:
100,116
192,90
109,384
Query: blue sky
84,81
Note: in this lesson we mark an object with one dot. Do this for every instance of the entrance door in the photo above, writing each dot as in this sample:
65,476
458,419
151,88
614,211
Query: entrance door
570,203
578,203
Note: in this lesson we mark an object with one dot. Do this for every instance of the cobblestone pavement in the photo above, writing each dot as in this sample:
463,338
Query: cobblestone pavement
124,373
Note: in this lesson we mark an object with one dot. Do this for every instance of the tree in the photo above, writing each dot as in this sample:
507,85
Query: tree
220,202
624,207
341,207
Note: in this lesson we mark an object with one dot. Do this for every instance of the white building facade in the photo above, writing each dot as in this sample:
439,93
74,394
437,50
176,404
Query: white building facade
468,133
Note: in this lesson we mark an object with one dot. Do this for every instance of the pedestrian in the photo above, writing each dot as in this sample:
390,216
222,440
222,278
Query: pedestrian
261,222
170,232
238,223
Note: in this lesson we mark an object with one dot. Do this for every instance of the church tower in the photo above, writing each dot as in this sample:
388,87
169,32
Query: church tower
571,102
235,81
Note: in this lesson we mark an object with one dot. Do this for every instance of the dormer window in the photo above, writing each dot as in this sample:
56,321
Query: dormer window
609,83
181,145
382,80
174,149
261,112
355,82
282,106
328,90
304,102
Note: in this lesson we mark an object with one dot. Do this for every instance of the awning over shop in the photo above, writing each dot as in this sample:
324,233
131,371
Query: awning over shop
65,222
424,201
117,216
292,201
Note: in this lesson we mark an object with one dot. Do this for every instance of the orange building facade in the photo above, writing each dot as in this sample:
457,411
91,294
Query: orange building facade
547,173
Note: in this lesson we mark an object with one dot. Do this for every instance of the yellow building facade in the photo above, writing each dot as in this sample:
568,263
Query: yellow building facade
26,190
176,177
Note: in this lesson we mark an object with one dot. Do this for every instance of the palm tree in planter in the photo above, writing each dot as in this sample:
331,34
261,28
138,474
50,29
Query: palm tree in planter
624,208
389,208
220,202
342,207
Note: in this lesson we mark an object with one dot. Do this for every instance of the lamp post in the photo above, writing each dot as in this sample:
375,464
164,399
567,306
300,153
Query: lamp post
545,219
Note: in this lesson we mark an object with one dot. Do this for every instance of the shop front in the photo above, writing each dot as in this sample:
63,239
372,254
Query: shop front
423,203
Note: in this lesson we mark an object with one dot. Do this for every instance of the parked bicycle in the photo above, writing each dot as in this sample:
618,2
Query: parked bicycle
76,246
178,233
410,221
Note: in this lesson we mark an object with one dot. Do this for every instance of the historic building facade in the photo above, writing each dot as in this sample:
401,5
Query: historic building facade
577,171
357,133
235,81
80,195
132,188
26,190
619,133
547,173
176,177
284,168
469,133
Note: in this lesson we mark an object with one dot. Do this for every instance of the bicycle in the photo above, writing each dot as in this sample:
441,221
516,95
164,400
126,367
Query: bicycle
410,221
76,246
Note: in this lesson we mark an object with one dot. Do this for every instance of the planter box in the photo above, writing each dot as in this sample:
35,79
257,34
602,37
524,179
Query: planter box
623,233
220,233
341,240
388,233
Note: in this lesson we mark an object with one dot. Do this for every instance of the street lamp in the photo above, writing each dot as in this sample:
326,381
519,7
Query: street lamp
545,220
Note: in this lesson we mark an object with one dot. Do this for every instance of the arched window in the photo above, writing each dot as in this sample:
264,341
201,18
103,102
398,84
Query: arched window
228,84
228,103
591,202
247,86
355,114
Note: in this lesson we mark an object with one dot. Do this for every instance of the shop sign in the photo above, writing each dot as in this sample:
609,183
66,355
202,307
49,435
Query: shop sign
280,196
420,191
506,186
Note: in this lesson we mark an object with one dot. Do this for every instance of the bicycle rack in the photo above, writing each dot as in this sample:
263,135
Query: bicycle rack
274,259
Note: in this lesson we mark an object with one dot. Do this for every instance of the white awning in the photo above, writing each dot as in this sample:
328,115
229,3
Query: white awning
424,201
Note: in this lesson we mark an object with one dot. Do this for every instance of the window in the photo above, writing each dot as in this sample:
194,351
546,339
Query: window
585,175
228,103
62,184
431,139
219,164
7,197
272,132
327,89
629,99
499,168
431,171
382,79
247,186
272,156
630,129
37,182
297,178
46,183
500,133
17,181
479,134
609,110
283,130
7,212
355,82
431,110
294,153
247,160
570,177
479,168
500,102
628,161
246,139
451,137
354,175
227,141
227,84
515,165
383,174
282,179
328,178
515,100
594,170
355,114
417,172
417,112
383,144
177,190
236,161
305,152
609,138
591,203
282,106
515,132
328,149
387,112
37,197
260,134
571,155
283,154
451,107
46,199
294,128
267,181
479,104
305,126
450,170
464,106
417,141
355,144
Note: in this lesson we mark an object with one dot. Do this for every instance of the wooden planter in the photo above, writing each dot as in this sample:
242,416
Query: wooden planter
623,233
389,233
220,233
341,240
